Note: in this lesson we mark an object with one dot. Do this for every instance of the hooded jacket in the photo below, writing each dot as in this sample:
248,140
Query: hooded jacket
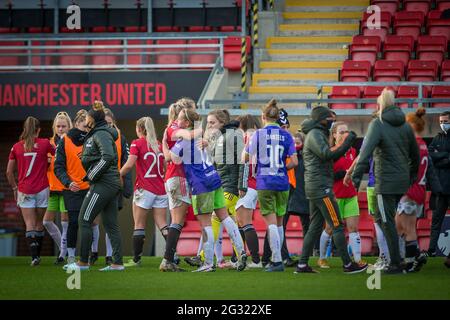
395,153
318,159
439,150
99,157
227,154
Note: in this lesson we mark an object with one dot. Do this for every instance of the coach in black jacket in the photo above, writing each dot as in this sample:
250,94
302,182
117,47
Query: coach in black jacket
439,150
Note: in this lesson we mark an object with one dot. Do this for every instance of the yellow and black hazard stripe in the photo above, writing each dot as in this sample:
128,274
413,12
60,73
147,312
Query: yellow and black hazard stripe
255,23
243,64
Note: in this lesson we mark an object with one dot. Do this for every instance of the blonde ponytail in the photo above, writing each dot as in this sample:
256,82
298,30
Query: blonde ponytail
147,127
31,127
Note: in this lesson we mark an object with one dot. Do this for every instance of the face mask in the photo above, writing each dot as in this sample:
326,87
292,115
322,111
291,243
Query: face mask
445,127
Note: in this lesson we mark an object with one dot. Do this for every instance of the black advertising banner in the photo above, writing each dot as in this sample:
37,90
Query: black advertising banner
130,95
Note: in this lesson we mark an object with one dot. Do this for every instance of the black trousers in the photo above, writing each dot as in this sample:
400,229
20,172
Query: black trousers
73,202
442,204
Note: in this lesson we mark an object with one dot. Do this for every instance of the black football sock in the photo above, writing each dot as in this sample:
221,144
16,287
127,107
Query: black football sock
172,241
252,241
138,243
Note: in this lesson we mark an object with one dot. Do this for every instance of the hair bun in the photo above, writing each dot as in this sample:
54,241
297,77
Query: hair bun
98,106
420,112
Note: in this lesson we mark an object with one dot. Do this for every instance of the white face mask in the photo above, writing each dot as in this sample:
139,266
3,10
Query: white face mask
445,127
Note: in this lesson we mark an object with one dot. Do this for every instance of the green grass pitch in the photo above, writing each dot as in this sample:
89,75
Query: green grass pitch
20,281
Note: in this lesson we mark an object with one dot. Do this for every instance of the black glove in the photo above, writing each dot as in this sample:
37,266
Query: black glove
339,175
351,138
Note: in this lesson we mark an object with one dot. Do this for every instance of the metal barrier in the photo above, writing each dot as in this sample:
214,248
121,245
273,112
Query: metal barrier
122,51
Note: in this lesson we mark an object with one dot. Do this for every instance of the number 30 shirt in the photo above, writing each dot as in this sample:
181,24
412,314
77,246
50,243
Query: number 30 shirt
199,171
271,145
32,166
149,167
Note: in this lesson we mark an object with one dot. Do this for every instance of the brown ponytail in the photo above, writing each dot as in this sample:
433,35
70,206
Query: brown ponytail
415,119
271,111
31,127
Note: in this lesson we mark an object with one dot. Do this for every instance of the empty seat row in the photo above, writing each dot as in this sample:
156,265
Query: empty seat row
373,92
424,6
403,48
406,23
394,70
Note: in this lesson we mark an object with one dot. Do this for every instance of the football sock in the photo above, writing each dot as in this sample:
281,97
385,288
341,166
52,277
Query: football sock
164,231
109,250
274,242
39,239
324,241
411,250
252,241
218,239
53,231
172,240
32,243
95,237
138,243
63,250
208,244
233,232
355,244
401,244
382,244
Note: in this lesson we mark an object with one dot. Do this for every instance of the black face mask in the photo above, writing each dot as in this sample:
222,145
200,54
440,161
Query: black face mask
330,124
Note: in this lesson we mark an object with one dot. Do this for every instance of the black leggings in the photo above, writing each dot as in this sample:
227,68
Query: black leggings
73,202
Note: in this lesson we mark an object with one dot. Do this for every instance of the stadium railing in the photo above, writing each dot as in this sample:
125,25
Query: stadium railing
31,50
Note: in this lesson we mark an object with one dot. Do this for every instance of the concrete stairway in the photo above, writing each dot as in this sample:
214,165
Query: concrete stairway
310,46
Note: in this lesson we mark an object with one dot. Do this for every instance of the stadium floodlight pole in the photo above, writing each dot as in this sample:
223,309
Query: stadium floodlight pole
150,16
55,16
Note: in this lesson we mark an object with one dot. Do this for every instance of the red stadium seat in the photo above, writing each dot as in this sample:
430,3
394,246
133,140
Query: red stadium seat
390,6
365,48
410,92
432,48
371,92
385,24
67,30
408,23
9,30
419,70
135,29
230,28
232,52
167,29
45,60
423,233
70,58
388,70
202,58
417,5
344,93
200,29
39,30
398,48
294,234
441,92
104,29
445,70
142,55
12,59
439,27
173,55
106,59
189,238
355,71
442,5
